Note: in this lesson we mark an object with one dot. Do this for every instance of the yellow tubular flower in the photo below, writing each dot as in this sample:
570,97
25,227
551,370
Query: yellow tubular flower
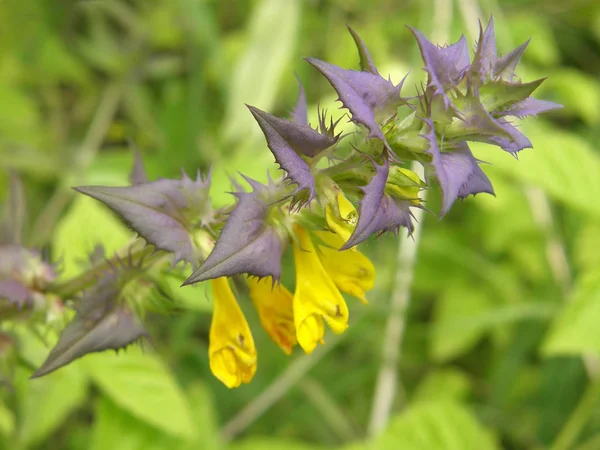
316,299
351,271
231,350
274,306
343,221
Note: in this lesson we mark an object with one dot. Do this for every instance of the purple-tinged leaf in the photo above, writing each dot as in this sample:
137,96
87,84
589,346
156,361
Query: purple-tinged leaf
529,107
297,169
457,172
300,111
138,171
517,142
101,323
497,95
366,63
506,64
476,121
445,66
281,133
378,212
370,98
15,292
247,244
163,212
486,55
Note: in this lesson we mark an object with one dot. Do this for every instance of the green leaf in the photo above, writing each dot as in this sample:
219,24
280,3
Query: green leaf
205,419
87,224
141,384
116,429
444,384
575,330
591,444
265,443
462,303
271,42
46,403
7,420
587,243
195,297
435,426
564,165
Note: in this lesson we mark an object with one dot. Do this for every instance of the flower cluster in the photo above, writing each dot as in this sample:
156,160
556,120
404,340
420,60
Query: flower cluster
311,210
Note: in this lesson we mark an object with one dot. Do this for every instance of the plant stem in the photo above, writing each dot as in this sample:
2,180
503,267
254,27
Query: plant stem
69,288
280,386
329,409
387,379
579,417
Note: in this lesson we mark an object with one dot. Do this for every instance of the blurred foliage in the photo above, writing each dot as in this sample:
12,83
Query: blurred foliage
502,341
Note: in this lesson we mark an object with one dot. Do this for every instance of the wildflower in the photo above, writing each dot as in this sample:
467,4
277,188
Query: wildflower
163,212
379,212
351,271
274,305
316,298
292,142
458,172
231,350
370,98
341,217
248,243
103,321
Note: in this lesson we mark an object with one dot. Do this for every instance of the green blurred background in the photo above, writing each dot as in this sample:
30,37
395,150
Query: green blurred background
502,336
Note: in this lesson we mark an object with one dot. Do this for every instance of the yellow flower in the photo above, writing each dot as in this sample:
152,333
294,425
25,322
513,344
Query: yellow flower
405,184
316,299
231,350
342,217
351,271
274,306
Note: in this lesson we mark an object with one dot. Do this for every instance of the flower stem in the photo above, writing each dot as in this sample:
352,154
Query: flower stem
387,379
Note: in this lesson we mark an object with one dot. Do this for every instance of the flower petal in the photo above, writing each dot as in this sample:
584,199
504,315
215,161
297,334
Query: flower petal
275,310
231,350
351,271
316,298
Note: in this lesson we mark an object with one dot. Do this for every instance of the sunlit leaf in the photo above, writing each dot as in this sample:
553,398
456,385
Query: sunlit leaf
46,403
444,384
435,425
271,39
564,165
86,224
461,303
7,421
575,330
141,384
